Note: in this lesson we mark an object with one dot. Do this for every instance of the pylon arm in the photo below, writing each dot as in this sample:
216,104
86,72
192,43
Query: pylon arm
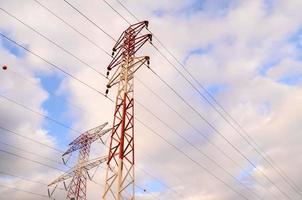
137,44
91,131
86,166
137,28
138,62
90,137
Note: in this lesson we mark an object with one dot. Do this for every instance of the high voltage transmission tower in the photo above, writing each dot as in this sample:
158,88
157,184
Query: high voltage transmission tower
76,189
119,183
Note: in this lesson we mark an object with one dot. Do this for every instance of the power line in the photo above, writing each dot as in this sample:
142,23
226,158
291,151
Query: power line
52,42
119,2
19,177
199,150
45,165
31,160
54,121
26,179
221,135
194,128
245,135
40,163
25,191
87,19
35,84
108,4
101,29
36,55
77,10
191,159
61,151
216,130
34,161
158,180
30,139
34,141
72,27
38,113
206,121
187,81
146,191
9,174
187,121
41,183
77,79
26,151
53,65
31,110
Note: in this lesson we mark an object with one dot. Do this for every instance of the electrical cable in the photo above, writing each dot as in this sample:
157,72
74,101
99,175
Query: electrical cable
26,151
71,76
25,191
101,29
245,135
261,171
54,43
72,27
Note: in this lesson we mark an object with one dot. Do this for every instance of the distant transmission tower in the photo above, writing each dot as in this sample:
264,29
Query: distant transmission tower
76,189
119,183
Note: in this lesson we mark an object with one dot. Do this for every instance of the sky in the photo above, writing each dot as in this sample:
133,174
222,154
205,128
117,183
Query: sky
247,54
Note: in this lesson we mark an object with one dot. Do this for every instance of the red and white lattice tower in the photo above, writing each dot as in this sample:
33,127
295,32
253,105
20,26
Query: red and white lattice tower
119,183
79,174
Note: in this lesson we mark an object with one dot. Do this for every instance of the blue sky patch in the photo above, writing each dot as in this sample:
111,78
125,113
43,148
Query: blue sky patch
246,174
56,107
12,48
194,7
214,89
154,186
198,52
291,79
268,6
213,8
267,66
265,108
158,13
296,40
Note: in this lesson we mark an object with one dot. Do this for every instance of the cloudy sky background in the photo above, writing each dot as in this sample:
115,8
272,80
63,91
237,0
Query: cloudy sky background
247,54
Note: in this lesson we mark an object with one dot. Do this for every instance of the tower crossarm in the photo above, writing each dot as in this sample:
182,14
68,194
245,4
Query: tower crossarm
137,63
87,138
137,28
89,132
86,166
135,45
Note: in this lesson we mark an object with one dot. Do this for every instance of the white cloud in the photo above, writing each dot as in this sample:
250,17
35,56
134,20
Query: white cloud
241,41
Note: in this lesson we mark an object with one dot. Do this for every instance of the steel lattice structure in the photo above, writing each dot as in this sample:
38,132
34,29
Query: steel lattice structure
76,189
119,183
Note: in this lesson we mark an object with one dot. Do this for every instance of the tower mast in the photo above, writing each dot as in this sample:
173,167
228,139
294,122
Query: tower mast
79,174
119,183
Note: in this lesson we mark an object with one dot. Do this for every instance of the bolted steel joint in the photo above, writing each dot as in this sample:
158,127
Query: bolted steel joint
146,23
